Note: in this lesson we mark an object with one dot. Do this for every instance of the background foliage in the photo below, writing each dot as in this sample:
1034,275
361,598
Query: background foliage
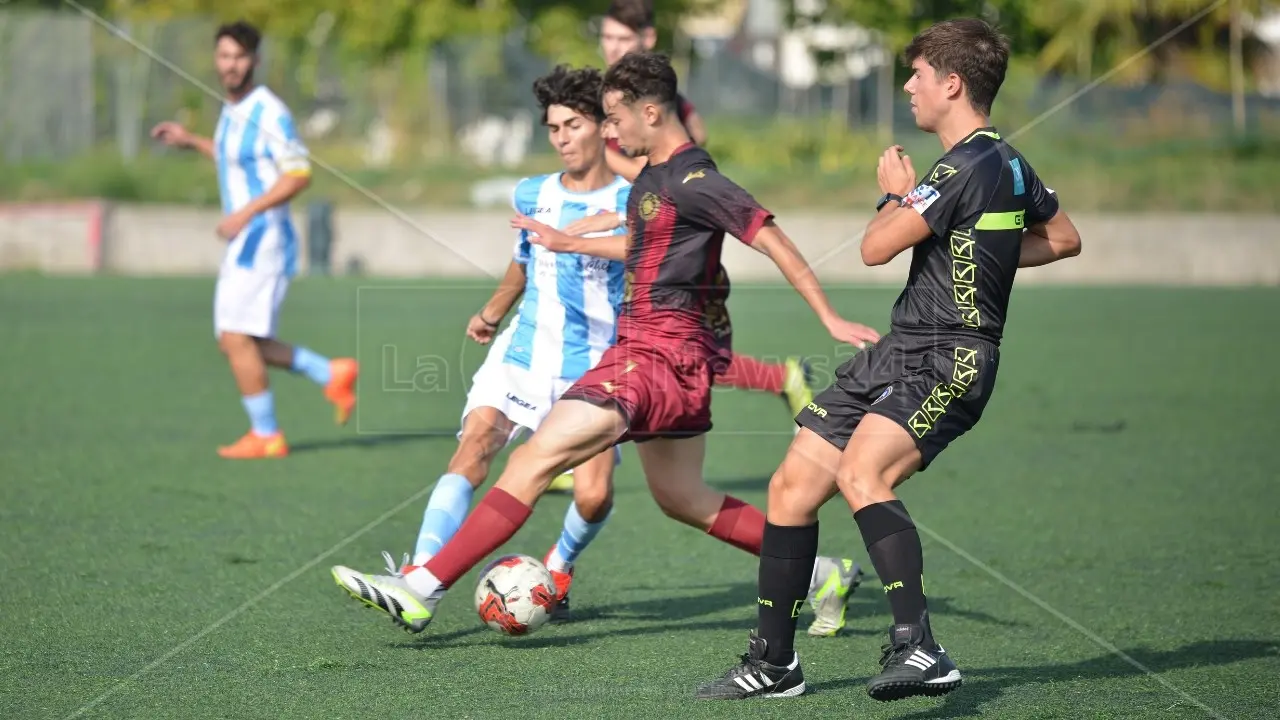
1111,156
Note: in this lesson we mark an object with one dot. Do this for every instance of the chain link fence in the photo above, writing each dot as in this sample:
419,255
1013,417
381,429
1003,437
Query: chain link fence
71,87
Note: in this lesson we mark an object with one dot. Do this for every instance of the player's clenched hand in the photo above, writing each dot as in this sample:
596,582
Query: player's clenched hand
895,173
171,133
851,332
541,233
598,223
231,225
479,330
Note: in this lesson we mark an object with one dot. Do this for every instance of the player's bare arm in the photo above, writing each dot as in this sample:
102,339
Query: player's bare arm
176,135
613,247
1050,241
598,223
772,242
697,128
484,324
893,230
895,227
285,189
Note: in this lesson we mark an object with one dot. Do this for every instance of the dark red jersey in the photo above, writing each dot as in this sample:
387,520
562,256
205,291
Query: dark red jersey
679,213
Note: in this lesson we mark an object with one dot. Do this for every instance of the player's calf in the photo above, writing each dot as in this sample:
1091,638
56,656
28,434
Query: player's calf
584,519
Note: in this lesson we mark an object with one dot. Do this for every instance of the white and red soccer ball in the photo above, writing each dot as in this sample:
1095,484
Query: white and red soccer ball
516,595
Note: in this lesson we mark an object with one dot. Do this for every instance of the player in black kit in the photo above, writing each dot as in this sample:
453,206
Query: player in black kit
979,214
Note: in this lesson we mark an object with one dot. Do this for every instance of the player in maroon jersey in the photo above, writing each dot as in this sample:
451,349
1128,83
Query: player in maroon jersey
627,27
654,385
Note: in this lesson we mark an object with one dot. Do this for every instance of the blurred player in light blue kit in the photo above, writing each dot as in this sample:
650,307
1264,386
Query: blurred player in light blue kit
262,165
567,318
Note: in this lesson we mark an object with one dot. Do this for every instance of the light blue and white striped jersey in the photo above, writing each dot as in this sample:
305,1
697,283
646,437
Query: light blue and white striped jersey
569,314
254,145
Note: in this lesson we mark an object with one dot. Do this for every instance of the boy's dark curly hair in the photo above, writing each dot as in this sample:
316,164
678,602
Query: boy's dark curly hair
643,76
245,35
578,90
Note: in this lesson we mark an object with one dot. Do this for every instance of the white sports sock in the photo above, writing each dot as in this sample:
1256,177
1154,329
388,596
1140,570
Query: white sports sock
556,563
422,581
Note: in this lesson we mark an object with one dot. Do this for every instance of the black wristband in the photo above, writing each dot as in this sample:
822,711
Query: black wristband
888,198
480,315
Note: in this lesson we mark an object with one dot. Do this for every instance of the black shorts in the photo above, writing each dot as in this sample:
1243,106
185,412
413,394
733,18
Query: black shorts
934,386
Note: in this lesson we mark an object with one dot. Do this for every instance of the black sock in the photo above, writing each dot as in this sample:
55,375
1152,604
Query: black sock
894,547
787,555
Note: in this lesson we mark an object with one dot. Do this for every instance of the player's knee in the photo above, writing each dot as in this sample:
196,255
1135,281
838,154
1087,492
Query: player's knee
864,481
231,344
472,458
782,487
791,499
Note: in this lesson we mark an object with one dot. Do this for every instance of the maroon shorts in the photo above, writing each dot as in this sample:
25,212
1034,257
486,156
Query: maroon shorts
663,394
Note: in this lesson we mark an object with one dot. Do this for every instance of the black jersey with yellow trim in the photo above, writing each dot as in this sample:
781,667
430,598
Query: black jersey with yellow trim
977,200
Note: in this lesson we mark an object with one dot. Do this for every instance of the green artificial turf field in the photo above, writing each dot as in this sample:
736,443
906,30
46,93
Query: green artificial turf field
1123,476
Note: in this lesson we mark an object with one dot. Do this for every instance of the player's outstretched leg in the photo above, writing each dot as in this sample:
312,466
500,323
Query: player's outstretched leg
485,431
591,507
790,379
771,668
573,432
880,455
337,376
264,439
673,468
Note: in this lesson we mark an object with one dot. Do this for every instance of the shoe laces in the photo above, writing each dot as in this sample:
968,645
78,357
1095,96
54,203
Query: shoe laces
889,652
747,665
392,569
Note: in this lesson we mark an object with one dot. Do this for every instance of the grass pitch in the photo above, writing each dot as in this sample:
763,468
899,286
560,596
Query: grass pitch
1120,492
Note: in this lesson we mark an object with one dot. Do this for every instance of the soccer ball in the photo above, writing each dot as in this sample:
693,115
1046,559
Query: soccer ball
516,595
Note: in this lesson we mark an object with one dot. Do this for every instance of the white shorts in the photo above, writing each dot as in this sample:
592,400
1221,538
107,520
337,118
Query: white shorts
524,397
248,301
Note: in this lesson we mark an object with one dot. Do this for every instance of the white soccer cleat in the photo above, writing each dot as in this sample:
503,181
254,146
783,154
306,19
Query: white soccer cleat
834,580
392,595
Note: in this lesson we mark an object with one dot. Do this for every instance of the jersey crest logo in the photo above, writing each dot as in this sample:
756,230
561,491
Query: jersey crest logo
693,176
941,172
649,204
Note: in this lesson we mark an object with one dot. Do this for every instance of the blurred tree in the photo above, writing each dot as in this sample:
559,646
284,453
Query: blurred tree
1090,37
1082,38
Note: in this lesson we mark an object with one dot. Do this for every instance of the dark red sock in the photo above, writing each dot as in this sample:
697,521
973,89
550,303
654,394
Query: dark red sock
494,521
739,524
747,373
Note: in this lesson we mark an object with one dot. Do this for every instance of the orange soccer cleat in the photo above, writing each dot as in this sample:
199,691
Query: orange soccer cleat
254,446
341,390
563,581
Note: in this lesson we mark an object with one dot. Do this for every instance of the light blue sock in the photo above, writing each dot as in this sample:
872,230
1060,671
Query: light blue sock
575,537
314,366
446,509
261,409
